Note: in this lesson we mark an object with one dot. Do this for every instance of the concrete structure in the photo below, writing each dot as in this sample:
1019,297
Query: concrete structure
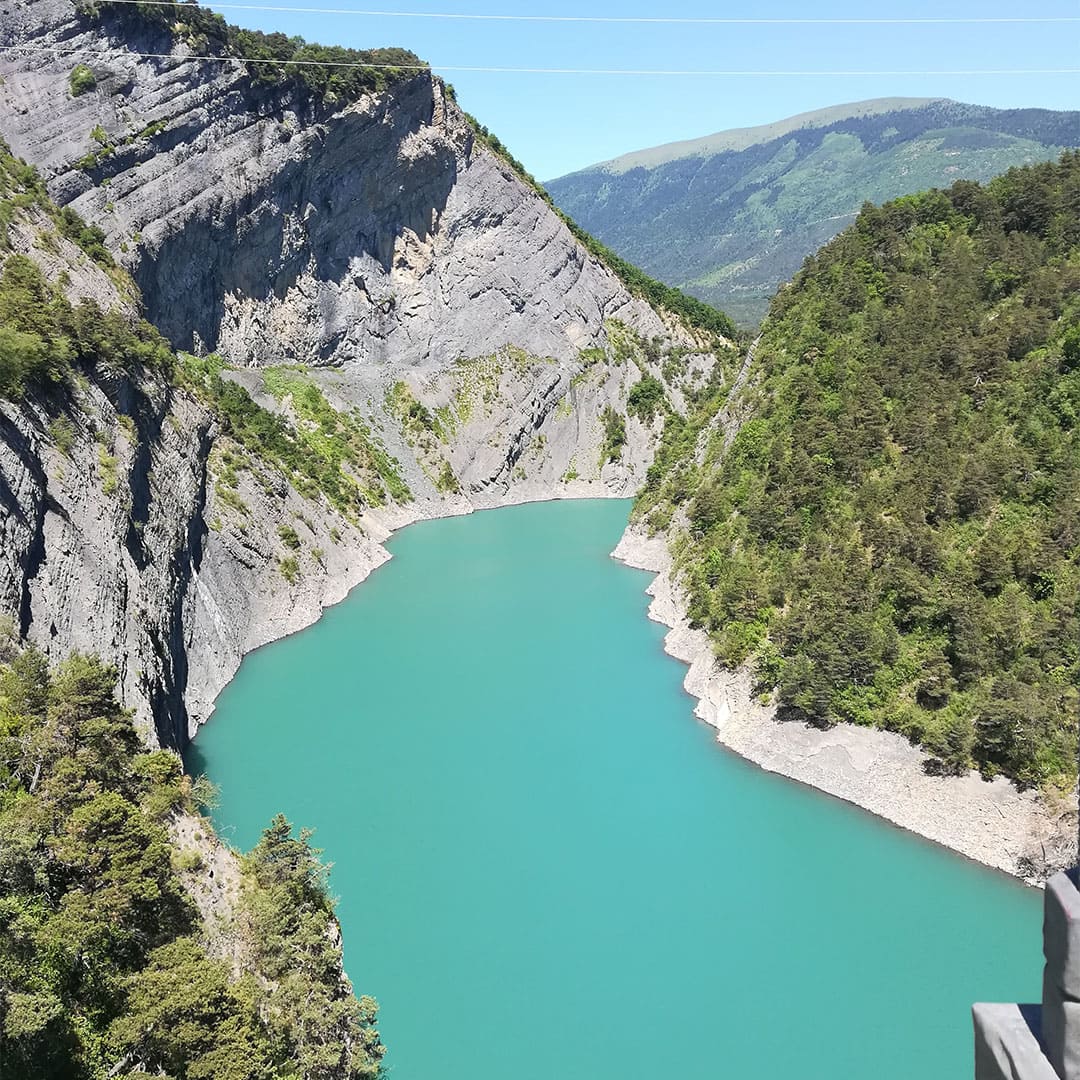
1040,1042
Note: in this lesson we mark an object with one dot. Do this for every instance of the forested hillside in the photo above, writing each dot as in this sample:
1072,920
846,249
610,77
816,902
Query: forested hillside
893,537
730,216
107,968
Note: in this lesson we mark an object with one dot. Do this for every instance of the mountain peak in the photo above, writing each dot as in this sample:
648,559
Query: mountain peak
742,138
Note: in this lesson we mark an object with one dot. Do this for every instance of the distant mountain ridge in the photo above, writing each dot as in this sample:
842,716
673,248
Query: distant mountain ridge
745,137
730,216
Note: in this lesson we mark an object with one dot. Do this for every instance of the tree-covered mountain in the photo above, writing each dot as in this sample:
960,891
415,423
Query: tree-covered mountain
730,216
892,538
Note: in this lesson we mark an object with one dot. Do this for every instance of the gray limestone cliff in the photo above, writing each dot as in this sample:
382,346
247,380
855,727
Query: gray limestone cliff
431,295
382,233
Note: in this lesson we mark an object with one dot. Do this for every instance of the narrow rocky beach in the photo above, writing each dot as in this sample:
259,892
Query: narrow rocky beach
992,822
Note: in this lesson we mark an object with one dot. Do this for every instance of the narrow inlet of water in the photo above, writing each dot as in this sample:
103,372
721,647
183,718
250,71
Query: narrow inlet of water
548,868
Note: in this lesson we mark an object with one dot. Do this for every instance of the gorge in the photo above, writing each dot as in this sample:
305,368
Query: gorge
510,412
373,318
532,842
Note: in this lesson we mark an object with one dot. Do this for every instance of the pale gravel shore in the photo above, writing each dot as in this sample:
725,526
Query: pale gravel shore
991,822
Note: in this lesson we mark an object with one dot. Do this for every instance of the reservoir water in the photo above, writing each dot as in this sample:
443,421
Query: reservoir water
546,866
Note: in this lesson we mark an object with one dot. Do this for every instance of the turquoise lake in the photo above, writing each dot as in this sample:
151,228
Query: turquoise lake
549,869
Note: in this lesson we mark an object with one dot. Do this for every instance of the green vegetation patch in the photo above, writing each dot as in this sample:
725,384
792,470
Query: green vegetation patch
329,454
62,433
81,80
326,73
289,537
340,438
476,382
646,399
45,340
403,405
107,469
893,539
446,481
614,435
105,969
106,146
626,345
423,431
21,187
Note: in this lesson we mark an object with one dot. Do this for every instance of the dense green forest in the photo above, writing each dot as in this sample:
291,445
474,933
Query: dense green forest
106,968
330,73
893,537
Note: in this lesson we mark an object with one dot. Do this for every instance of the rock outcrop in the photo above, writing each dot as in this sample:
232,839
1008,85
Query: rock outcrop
430,292
258,225
1024,833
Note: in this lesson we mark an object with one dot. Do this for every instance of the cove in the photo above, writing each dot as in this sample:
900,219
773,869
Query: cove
548,868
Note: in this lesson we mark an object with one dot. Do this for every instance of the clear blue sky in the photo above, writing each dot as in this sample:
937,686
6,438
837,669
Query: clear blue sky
557,123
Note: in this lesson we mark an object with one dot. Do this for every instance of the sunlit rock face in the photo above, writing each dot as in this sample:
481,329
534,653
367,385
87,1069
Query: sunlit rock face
379,244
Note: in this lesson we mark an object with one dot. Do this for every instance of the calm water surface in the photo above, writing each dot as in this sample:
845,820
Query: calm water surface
548,869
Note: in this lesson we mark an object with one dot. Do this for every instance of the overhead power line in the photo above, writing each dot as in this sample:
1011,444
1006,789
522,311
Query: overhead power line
720,73
649,19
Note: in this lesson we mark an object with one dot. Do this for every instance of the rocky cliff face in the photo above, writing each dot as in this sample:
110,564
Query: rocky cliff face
432,295
107,489
383,233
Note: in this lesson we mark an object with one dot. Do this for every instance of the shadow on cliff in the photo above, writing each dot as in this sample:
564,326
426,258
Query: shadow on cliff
342,202
194,759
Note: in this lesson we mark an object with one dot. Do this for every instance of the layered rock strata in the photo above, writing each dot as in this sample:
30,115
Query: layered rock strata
424,286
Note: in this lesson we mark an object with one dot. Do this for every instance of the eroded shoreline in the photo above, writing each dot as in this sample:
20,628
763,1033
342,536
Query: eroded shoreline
991,822
261,609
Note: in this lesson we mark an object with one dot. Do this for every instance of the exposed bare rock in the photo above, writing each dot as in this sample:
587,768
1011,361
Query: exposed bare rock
1021,832
381,233
423,284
